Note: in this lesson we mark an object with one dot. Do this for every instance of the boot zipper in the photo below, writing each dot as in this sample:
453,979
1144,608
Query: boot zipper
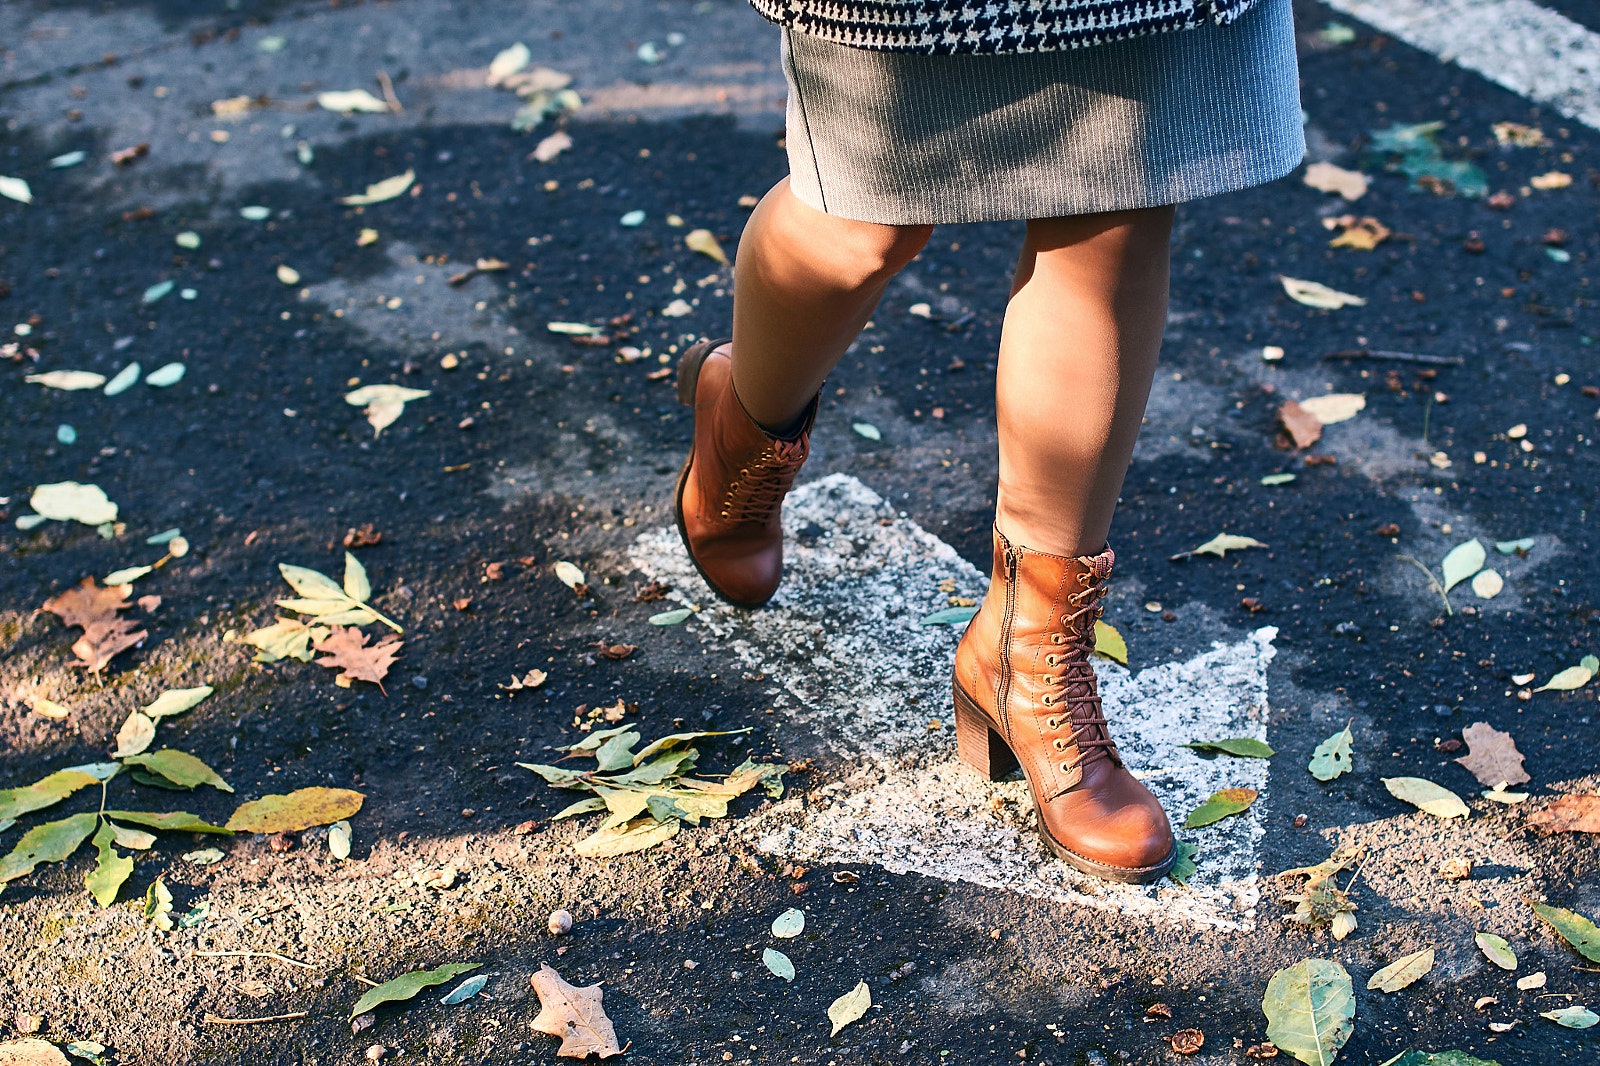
1003,689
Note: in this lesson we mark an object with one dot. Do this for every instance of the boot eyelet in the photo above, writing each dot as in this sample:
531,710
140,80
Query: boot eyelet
1050,679
1066,768
1058,744
1046,701
1051,660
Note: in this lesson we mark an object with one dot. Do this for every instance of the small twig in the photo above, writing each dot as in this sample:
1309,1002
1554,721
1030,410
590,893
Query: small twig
388,92
212,1019
1427,414
253,955
369,982
1396,357
1432,581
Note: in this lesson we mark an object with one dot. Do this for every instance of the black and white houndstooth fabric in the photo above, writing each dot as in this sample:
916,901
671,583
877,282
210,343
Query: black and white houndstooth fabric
954,27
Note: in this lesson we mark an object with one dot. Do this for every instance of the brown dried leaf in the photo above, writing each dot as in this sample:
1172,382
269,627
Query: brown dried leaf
532,679
347,650
616,651
86,604
1492,757
102,641
575,1015
1304,428
1363,234
1188,1041
1578,813
365,537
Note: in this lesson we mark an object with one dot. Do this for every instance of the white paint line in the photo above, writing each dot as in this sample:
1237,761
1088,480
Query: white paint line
846,659
1530,50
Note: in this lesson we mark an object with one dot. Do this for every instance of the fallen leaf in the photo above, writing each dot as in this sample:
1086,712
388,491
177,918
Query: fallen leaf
507,63
1573,1017
377,193
288,274
1403,971
165,376
49,842
1572,677
1220,545
778,964
1184,866
1222,804
949,616
15,189
1187,1041
1363,234
179,767
1492,756
702,241
300,809
569,575
204,857
384,403
1425,795
407,985
123,156
176,701
128,575
172,821
1579,813
466,990
849,1007
1515,547
287,638
1335,406
1555,179
1325,177
46,792
31,1051
624,839
110,870
67,380
1310,1009
1107,642
1315,294
48,708
551,146
867,430
790,924
1486,584
1532,981
135,735
1518,135
532,679
1244,747
677,309
349,101
1496,950
67,501
1441,1058
575,1015
1332,757
1461,562
158,905
1303,427
346,650
1574,928
331,603
671,618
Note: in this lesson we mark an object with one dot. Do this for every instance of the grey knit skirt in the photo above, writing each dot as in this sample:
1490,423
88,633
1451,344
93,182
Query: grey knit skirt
905,139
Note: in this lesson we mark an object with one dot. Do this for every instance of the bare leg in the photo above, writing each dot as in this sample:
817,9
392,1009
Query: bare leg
1077,355
804,284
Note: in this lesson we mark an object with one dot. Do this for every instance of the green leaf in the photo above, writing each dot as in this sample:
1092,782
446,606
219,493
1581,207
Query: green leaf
300,809
664,807
158,904
50,842
1277,479
1228,801
1462,561
45,792
1438,1058
1403,971
778,963
1184,867
339,840
1590,663
1332,757
658,770
950,616
176,701
559,776
620,840
173,821
1574,928
1496,950
617,752
1427,796
466,990
1572,677
849,1007
325,599
672,740
1310,1009
1108,642
356,585
595,739
1573,1017
181,768
287,638
311,584
1511,547
790,924
867,430
584,806
127,575
670,618
1244,747
408,985
110,871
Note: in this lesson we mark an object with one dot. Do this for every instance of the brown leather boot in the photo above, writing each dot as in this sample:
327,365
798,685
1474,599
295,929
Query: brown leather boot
1025,691
731,488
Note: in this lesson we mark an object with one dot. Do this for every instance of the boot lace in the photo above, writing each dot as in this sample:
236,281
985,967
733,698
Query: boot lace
757,491
1075,686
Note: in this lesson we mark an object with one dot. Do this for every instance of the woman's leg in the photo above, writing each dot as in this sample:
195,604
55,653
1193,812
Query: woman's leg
1077,355
805,283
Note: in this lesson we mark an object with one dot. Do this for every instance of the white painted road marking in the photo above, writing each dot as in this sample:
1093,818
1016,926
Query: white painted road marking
1530,50
841,646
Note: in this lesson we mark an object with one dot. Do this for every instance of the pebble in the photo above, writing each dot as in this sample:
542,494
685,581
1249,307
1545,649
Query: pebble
376,1052
419,680
560,923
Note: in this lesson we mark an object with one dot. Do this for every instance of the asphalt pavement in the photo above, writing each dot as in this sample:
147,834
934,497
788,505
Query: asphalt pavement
191,208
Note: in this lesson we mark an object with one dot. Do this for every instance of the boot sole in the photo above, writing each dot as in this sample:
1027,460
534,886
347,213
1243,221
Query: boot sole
981,747
688,378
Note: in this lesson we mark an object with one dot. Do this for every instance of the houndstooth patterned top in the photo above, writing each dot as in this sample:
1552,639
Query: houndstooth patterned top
952,27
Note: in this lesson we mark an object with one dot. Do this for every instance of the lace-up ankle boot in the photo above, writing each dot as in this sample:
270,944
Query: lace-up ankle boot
1025,692
731,489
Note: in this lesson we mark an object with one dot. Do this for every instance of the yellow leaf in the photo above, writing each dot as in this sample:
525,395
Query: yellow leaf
701,240
1316,294
1335,406
387,189
1325,177
1108,642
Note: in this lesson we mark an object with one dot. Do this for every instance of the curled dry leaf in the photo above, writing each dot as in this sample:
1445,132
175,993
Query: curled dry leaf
1577,813
378,192
1362,233
1492,756
384,403
575,1015
1187,1041
532,679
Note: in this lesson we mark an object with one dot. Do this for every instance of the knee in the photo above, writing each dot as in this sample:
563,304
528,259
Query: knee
875,253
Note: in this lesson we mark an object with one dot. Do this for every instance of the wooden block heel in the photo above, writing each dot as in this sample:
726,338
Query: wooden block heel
979,746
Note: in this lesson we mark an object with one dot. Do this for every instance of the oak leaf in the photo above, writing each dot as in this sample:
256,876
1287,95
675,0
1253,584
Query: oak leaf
348,652
1492,757
575,1015
1578,813
86,604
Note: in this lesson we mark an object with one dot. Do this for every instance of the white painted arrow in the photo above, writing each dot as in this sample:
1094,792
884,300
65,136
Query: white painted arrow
848,661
